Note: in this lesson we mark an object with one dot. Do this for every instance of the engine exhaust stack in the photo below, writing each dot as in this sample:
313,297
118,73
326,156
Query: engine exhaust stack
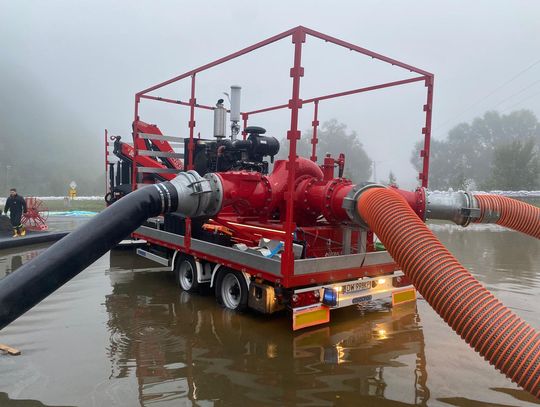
235,110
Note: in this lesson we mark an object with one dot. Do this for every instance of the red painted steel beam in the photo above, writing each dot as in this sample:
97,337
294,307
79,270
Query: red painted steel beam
135,145
176,102
191,148
364,51
366,89
425,153
221,60
268,109
345,93
314,139
340,275
293,135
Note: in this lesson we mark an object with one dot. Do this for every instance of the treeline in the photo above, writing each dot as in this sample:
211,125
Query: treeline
492,152
43,145
334,138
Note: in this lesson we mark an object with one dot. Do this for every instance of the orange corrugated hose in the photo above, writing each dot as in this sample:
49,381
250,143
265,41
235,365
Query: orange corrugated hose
500,336
512,214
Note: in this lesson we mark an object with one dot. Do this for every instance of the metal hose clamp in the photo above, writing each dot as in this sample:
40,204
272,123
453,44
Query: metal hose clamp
349,202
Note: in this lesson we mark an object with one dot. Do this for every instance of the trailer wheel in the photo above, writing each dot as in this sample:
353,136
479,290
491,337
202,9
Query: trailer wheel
232,290
109,198
186,274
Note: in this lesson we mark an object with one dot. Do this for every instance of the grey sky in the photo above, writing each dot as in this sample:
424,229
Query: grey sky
90,57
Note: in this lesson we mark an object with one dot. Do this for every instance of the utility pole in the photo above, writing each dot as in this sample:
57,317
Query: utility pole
374,163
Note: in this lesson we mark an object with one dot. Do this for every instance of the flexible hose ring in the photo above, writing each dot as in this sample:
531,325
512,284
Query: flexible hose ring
494,331
509,213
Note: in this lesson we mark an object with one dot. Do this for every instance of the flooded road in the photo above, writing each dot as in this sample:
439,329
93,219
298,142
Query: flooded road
121,334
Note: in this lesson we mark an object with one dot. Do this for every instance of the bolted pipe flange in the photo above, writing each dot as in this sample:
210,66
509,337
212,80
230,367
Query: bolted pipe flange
214,204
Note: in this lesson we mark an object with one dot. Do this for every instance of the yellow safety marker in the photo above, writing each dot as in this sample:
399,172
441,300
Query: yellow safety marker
403,296
310,317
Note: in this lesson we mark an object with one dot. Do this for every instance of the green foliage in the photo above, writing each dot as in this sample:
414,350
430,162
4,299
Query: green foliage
467,156
516,165
334,138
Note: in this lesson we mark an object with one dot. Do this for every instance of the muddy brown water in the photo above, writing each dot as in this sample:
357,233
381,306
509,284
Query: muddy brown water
122,334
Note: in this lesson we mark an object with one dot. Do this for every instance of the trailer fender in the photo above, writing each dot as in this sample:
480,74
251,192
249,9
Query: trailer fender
217,267
173,261
198,265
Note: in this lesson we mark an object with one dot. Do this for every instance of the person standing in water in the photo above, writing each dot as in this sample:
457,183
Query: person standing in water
16,205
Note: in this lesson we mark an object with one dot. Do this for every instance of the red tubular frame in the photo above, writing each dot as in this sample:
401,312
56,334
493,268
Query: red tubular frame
106,161
298,35
176,102
315,124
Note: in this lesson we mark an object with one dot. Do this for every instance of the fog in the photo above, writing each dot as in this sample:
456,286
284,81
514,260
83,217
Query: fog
70,69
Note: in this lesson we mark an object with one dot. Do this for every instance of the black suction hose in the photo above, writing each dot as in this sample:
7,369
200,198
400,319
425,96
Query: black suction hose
35,280
31,283
188,194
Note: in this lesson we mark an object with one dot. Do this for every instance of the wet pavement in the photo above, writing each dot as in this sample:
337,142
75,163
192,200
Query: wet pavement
122,334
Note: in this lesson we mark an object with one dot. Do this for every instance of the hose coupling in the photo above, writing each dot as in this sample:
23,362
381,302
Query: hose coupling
349,202
459,207
197,196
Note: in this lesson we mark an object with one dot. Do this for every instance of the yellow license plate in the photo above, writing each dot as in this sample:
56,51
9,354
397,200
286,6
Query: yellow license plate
403,296
310,317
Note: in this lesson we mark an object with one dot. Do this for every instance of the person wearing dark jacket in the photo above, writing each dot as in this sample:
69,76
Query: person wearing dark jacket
16,205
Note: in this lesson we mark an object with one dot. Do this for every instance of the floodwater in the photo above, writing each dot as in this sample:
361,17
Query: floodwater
121,334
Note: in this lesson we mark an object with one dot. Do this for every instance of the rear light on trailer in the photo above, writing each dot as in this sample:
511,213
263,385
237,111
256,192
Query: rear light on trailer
330,297
378,282
305,298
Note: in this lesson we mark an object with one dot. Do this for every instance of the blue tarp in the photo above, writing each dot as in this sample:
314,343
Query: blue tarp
73,213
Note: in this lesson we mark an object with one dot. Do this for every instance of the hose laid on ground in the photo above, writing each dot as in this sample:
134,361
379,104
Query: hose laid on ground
500,336
509,213
188,194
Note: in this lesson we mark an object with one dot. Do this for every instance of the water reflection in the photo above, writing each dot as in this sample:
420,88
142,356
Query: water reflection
11,260
182,346
130,338
493,249
6,401
506,262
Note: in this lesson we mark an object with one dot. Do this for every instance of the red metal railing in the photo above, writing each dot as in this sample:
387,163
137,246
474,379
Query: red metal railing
298,36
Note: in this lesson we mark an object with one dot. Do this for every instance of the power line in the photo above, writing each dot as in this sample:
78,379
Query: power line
521,101
517,93
489,94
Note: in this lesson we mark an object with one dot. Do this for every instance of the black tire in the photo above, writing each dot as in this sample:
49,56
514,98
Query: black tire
185,271
109,198
232,290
